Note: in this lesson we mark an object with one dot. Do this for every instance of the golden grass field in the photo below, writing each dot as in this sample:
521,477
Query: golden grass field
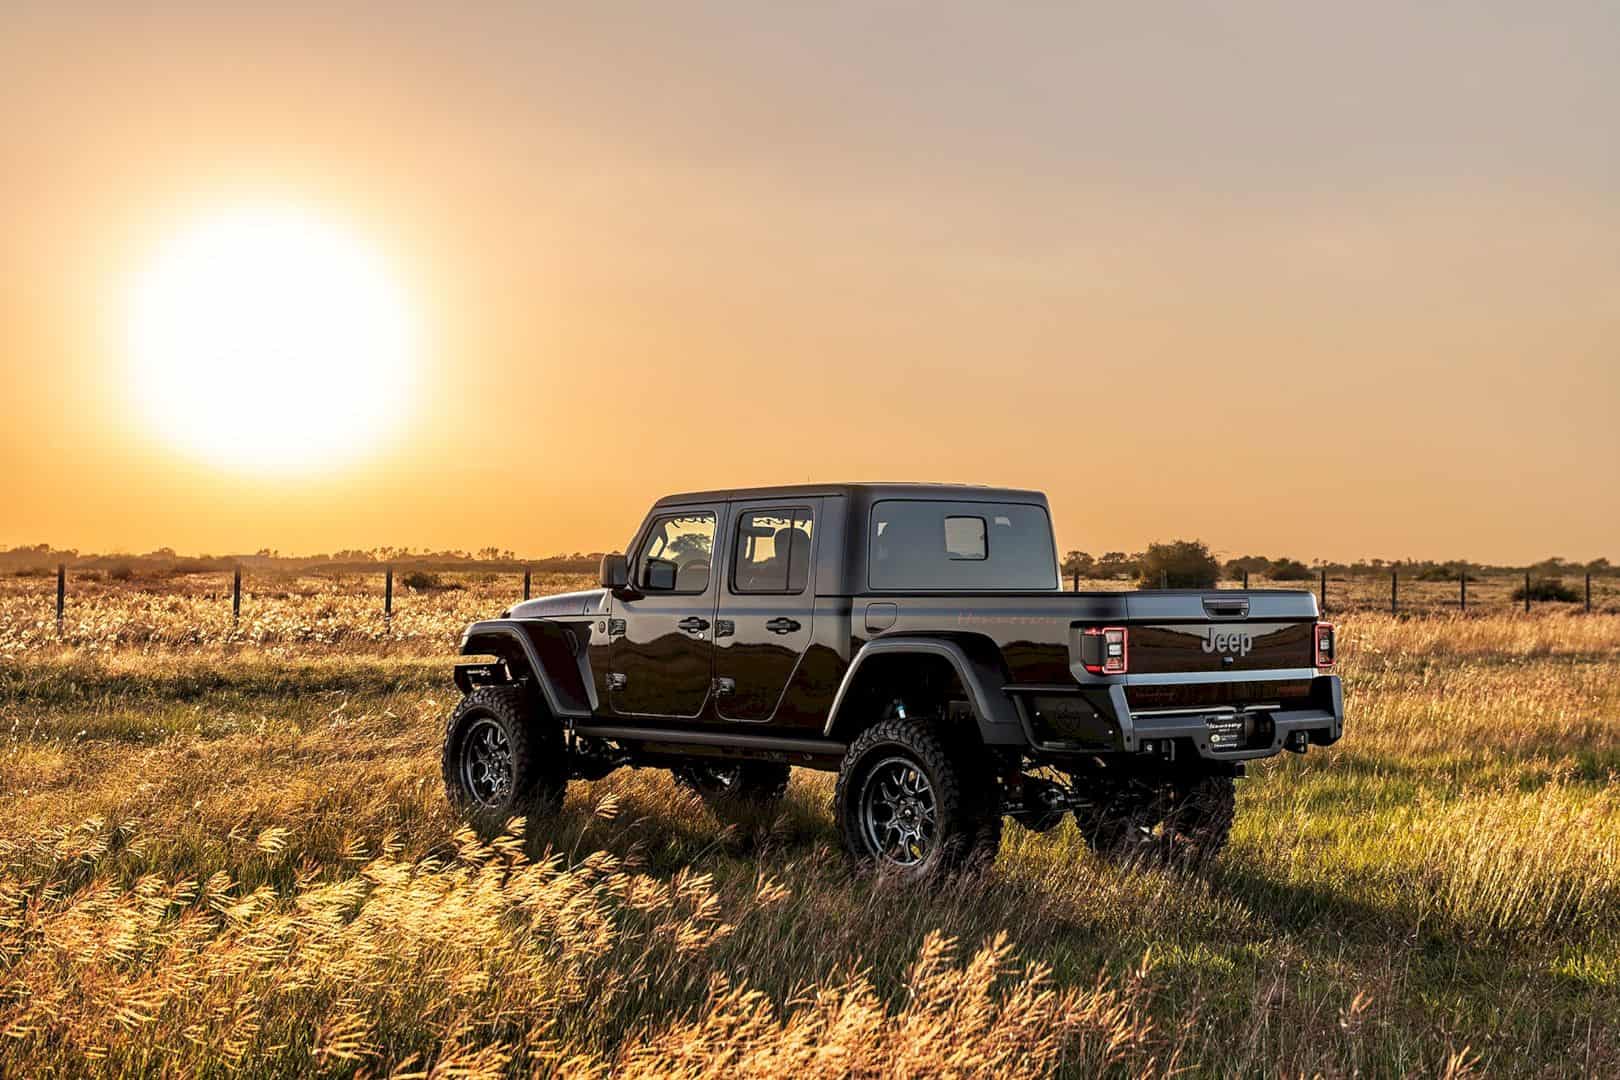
225,849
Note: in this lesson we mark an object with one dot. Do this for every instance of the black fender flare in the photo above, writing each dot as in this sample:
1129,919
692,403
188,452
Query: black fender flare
978,667
554,653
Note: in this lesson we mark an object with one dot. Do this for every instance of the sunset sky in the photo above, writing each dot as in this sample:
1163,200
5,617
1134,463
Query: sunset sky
1318,280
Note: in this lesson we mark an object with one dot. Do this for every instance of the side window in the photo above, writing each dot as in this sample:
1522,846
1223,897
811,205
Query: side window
773,551
677,554
928,544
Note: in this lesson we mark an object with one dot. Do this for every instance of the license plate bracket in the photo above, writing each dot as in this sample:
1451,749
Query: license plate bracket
1226,731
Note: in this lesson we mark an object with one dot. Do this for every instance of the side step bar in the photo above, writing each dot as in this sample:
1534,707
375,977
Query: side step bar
814,747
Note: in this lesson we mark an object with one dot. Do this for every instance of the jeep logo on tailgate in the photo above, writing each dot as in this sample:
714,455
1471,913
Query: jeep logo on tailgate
1235,642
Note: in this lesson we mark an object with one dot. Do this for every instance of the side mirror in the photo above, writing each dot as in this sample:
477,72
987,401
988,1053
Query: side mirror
660,576
615,572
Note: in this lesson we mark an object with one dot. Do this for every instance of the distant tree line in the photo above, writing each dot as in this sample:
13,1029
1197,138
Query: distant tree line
1193,564
43,559
1189,561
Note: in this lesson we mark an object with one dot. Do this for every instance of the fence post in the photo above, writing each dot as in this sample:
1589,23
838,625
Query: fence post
236,596
1589,592
1164,579
1462,594
388,597
1527,592
1077,581
525,583
1394,589
1322,602
61,594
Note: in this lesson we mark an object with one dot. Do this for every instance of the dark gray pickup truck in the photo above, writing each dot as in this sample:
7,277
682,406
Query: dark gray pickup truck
912,638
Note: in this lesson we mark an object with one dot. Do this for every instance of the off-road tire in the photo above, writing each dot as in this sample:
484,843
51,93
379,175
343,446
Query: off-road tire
1184,820
538,765
1198,820
752,785
967,814
1122,821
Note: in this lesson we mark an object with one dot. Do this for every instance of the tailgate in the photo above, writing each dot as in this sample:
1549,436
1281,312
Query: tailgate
1192,632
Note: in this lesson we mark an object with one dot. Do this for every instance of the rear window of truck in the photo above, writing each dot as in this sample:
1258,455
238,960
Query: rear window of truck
921,544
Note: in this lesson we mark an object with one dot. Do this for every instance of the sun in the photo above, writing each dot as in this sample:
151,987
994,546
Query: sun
266,337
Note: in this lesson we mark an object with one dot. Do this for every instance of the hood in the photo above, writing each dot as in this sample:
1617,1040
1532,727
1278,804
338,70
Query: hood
585,602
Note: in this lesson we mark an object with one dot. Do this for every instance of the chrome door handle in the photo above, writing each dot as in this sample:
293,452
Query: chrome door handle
782,626
693,625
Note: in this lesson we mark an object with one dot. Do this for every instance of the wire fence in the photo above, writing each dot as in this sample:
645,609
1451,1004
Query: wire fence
1392,592
92,606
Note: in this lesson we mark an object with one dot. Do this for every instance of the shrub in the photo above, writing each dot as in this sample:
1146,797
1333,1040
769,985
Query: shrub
1257,565
1443,573
1289,570
425,581
421,581
1079,563
1548,589
120,572
1180,564
1115,564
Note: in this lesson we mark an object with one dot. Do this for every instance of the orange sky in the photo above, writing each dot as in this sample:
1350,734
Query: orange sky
1325,285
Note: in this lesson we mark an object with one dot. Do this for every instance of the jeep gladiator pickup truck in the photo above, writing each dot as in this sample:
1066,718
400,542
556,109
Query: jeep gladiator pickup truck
915,639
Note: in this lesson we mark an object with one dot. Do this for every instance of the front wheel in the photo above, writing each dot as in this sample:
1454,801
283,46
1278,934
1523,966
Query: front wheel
500,761
906,802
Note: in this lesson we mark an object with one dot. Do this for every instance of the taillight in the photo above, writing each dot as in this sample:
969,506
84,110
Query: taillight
1324,645
1113,659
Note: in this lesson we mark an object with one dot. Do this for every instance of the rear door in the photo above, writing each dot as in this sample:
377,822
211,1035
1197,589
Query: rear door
662,651
767,604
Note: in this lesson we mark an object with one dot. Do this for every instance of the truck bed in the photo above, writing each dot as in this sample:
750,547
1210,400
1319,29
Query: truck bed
1220,632
1231,672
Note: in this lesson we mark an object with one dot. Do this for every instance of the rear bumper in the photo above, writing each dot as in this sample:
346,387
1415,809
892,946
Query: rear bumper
1292,729
1268,731
1237,732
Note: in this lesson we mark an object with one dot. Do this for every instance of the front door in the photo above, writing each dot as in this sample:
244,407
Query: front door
661,658
767,602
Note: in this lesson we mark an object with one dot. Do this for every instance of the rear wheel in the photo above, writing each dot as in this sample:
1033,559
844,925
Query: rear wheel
908,802
1199,819
1186,818
1121,820
501,759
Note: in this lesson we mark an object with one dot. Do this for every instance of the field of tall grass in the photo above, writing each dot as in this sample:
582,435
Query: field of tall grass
225,849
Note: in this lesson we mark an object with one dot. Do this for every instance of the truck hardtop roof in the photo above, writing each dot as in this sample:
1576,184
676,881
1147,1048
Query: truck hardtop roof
865,492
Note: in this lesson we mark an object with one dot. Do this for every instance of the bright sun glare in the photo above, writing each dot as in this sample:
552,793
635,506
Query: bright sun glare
265,337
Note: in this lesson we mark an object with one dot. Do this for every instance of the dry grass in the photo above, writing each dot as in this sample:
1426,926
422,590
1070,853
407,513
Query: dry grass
287,615
226,853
